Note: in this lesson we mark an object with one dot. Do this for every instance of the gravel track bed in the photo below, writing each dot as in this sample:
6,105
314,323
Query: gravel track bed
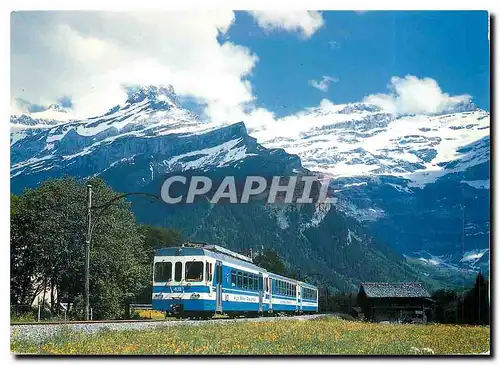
41,333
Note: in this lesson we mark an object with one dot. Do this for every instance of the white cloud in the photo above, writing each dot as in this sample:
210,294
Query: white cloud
304,21
411,95
90,55
326,104
324,83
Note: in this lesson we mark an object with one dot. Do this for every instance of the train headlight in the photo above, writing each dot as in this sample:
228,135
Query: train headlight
195,296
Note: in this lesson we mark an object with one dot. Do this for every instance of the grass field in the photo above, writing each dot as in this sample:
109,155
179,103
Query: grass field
319,336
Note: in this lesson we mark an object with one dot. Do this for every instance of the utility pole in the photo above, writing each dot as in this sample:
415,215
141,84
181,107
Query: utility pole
87,250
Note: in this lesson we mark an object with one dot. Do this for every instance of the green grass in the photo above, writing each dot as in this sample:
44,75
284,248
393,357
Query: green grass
321,336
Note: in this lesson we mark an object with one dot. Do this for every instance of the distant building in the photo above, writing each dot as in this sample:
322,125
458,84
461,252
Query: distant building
395,302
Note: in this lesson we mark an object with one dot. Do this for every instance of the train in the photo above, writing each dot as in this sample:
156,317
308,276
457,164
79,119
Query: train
198,280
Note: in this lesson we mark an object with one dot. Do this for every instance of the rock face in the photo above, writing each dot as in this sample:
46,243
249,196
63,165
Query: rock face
382,192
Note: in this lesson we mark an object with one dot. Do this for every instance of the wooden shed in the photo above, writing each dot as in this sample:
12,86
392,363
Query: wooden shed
395,302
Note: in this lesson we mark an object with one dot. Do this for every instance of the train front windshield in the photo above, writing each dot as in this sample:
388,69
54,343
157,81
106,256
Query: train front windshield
163,271
166,271
194,271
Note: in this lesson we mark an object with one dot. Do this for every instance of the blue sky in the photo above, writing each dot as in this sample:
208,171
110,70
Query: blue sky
251,66
364,51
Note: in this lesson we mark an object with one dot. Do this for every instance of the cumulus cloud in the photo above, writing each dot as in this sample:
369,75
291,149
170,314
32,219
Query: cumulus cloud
91,55
411,95
303,21
25,106
324,83
65,102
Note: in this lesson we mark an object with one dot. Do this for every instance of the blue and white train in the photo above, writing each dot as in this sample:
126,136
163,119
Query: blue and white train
199,280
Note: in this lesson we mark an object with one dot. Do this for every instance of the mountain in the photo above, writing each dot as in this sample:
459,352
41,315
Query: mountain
418,182
27,124
135,145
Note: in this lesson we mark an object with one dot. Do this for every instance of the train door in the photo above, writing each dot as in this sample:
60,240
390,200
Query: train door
261,292
270,291
218,285
297,298
299,295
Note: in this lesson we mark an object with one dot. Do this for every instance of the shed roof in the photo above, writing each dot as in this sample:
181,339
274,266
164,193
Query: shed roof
395,290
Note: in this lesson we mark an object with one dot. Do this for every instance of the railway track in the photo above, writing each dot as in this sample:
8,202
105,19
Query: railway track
42,331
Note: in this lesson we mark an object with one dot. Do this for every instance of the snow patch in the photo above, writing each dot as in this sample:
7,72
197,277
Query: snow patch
478,184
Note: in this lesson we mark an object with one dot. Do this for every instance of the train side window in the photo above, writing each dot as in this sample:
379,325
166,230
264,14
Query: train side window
208,271
233,278
250,281
163,271
245,280
267,284
178,271
194,271
240,280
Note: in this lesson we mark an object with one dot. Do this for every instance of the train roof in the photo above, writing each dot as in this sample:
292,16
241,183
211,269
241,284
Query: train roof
290,279
205,251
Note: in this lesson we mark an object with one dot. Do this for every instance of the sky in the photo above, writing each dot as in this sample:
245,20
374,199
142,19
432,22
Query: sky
253,66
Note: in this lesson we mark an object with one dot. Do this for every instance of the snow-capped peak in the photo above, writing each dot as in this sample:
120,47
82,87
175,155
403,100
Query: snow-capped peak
53,115
160,97
353,140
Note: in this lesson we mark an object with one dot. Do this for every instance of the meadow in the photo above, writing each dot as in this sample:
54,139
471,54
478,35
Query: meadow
322,336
